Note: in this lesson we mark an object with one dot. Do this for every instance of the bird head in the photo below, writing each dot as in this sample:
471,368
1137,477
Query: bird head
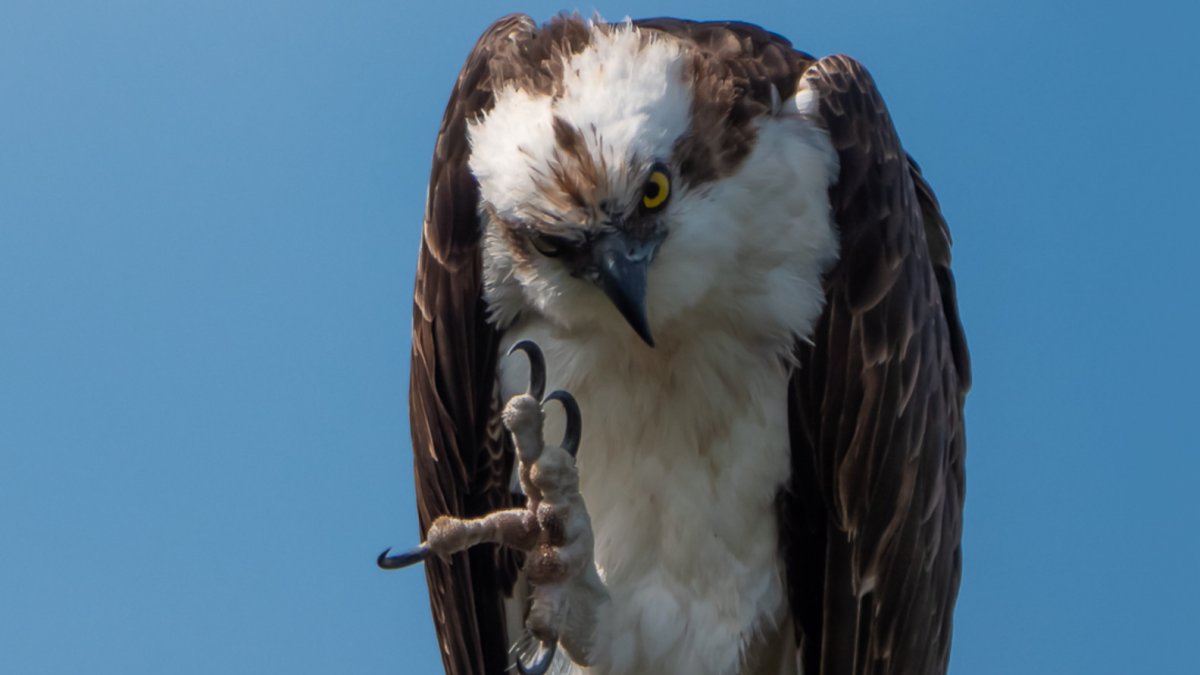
616,191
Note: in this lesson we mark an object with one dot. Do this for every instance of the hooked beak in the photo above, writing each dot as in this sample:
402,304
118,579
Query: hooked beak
623,265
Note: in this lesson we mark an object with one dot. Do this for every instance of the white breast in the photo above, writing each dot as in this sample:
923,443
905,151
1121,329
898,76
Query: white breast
684,450
685,445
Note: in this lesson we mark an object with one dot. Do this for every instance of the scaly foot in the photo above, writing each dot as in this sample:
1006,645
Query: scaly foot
553,529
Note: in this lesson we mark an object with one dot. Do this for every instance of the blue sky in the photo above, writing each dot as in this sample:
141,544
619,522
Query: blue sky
209,215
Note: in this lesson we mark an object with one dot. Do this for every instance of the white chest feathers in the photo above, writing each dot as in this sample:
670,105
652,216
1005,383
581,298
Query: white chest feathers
681,459
685,445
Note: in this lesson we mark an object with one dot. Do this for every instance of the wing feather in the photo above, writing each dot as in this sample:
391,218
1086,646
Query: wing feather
871,524
461,468
877,411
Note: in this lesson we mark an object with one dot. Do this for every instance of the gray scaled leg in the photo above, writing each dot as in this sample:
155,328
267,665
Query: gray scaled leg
554,530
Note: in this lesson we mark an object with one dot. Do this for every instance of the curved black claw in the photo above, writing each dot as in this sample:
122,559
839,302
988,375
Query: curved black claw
570,441
542,663
537,366
410,557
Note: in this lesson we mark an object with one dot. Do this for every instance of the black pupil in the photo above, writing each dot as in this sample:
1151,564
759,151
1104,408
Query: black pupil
652,190
547,246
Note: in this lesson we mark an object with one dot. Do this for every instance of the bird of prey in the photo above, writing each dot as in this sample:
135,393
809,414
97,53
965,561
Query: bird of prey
715,247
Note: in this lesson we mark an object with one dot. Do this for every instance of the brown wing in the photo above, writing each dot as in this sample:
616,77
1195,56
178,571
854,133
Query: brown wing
460,468
873,518
462,462
871,524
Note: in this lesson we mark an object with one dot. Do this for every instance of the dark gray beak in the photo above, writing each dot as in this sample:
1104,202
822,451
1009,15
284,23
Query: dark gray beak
623,264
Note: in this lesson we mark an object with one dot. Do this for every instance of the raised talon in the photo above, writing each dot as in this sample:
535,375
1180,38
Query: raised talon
542,664
410,557
537,366
570,441
565,583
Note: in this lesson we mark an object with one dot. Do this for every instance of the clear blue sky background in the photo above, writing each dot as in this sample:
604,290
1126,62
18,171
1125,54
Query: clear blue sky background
209,215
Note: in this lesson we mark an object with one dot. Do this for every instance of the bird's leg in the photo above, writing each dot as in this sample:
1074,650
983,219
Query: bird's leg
512,527
516,528
569,601
568,597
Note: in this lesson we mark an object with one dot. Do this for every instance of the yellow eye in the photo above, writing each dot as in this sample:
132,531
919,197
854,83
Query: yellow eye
657,189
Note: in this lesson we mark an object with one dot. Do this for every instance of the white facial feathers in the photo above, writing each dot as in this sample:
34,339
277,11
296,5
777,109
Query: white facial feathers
745,251
625,93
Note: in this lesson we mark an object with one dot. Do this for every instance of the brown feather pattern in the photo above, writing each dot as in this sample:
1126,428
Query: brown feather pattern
871,521
460,469
733,70
877,412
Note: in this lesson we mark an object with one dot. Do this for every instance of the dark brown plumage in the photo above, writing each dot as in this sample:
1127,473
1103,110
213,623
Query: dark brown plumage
871,523
876,410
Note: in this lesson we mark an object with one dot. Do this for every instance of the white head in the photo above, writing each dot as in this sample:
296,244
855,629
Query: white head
642,183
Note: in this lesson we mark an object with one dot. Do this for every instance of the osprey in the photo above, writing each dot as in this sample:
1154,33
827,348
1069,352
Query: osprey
717,250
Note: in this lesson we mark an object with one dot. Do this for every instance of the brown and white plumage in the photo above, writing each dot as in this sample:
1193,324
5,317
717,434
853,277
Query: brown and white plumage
869,521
